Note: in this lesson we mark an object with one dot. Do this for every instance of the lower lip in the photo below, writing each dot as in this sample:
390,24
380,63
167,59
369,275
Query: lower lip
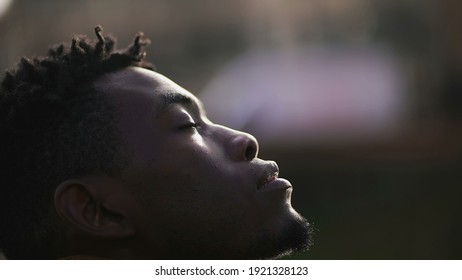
278,184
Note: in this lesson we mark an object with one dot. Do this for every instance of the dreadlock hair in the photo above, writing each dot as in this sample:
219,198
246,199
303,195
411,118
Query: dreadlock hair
54,126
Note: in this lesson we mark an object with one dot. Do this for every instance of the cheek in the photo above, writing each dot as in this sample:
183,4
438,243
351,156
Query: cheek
196,205
198,141
193,158
203,188
192,182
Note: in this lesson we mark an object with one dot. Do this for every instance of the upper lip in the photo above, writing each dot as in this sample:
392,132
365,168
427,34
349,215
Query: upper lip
269,173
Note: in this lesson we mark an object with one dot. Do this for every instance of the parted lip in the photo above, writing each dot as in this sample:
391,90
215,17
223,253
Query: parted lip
269,173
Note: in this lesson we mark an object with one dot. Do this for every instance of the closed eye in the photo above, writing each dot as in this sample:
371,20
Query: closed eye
188,126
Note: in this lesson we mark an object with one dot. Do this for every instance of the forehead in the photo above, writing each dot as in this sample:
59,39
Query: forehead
138,88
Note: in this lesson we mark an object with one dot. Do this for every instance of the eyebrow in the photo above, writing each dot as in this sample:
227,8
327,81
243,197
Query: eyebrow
171,98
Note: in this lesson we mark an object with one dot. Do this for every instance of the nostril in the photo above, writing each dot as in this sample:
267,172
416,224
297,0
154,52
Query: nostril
250,152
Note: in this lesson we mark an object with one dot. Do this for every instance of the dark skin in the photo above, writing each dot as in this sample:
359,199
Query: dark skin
193,189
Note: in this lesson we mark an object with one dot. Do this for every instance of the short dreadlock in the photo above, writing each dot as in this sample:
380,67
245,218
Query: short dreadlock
54,126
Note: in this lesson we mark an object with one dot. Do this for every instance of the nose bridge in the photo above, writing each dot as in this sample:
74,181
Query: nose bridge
240,146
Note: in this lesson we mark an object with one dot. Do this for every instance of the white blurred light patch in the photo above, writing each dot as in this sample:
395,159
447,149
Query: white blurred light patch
4,6
310,95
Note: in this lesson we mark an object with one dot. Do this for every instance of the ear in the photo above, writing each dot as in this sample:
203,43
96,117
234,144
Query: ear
93,208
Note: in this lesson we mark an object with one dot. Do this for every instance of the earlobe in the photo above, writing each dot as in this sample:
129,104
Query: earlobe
88,209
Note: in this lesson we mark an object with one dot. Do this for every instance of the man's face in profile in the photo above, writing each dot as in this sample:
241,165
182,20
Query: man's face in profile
196,189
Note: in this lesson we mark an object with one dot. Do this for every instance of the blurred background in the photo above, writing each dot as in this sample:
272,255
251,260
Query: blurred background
357,100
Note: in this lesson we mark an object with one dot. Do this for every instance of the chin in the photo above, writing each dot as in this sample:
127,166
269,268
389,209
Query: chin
290,234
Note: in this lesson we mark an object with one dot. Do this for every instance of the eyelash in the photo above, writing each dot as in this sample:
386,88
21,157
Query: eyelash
189,125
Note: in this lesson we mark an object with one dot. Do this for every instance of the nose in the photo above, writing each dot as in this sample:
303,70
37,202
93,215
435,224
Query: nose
241,146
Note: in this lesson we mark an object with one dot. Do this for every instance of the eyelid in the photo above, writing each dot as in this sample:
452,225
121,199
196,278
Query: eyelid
190,119
189,125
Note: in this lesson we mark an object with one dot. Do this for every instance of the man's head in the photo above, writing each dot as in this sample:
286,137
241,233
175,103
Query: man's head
102,156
